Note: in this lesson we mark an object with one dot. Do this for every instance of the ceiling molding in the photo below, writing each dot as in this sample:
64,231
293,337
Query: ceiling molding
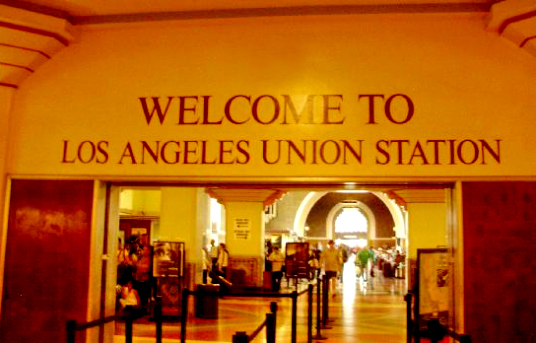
227,195
283,11
515,20
27,40
406,196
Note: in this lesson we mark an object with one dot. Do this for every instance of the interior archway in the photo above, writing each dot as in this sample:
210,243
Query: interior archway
397,213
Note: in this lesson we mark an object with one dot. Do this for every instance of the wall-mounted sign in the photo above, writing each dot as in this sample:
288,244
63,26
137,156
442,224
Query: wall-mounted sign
242,229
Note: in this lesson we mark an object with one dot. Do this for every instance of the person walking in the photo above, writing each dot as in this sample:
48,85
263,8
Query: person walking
331,265
364,260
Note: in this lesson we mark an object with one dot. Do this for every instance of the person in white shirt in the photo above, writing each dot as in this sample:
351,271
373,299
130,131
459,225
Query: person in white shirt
130,300
206,263
223,260
278,259
213,253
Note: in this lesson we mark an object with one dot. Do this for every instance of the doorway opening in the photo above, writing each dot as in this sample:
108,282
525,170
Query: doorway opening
393,219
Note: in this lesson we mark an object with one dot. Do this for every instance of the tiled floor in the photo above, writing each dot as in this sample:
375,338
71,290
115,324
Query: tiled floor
374,312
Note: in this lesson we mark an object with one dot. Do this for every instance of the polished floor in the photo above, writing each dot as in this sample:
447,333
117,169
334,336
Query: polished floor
373,312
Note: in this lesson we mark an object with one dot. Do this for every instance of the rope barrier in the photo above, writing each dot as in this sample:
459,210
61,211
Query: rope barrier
268,323
72,326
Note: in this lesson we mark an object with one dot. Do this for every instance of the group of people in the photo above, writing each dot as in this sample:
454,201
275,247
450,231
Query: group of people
215,260
331,260
135,282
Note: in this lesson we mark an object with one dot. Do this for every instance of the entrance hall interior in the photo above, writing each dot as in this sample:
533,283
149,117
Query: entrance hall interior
394,220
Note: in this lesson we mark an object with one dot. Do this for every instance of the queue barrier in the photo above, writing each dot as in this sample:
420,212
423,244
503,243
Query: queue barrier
435,332
294,297
269,323
73,326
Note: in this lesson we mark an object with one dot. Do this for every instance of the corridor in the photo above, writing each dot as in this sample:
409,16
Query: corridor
373,312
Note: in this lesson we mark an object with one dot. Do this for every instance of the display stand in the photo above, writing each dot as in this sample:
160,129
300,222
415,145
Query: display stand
297,261
432,292
168,269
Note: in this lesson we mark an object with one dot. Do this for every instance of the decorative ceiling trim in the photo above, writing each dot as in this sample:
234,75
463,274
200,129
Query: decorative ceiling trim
515,20
16,66
406,196
44,54
27,40
27,6
9,85
36,31
226,195
526,40
283,11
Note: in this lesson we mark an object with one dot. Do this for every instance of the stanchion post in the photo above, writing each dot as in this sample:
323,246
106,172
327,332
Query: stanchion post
325,299
309,313
273,308
184,314
240,337
318,335
409,322
294,315
71,331
270,328
158,319
129,319
465,339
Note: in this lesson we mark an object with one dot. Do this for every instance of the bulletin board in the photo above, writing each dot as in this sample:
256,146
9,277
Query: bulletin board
433,287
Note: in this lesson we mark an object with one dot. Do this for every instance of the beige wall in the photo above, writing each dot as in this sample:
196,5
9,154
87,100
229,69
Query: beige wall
146,201
451,68
426,227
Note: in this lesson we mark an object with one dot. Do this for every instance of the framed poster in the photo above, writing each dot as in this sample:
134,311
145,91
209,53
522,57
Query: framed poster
297,260
168,259
433,287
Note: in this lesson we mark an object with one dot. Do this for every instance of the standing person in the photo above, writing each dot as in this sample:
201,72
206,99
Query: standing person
277,260
126,262
314,263
223,260
206,263
331,264
142,279
268,251
213,253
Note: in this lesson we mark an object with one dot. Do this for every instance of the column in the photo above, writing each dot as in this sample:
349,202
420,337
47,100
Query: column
245,241
426,223
244,212
183,218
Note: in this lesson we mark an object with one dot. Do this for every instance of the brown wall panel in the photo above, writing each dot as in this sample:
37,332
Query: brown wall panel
47,259
500,265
